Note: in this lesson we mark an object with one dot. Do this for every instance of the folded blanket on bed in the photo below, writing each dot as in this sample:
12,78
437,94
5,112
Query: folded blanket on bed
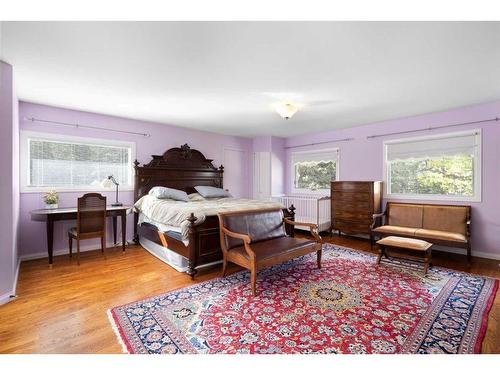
175,213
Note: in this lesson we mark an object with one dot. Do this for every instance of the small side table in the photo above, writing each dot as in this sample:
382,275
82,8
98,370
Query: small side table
407,248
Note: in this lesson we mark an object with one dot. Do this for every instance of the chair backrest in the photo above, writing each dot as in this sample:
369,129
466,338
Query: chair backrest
260,225
91,213
448,218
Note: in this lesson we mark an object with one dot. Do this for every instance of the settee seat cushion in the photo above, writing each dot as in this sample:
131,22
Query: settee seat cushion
393,229
405,243
440,235
275,247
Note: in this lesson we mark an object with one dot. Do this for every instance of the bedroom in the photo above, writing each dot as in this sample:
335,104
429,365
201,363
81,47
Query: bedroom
249,176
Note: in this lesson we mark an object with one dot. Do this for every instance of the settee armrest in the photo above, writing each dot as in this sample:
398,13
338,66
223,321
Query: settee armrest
244,237
313,228
374,219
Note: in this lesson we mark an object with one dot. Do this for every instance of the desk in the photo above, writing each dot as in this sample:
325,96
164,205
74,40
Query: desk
59,214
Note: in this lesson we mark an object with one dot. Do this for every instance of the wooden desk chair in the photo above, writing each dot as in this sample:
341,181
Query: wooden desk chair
90,223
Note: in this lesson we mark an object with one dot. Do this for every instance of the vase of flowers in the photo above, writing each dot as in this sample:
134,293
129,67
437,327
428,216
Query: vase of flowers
51,199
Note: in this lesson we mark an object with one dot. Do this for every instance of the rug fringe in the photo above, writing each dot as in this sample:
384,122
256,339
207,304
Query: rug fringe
117,332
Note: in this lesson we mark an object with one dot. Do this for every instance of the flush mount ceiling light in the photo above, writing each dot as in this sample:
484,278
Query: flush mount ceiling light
286,110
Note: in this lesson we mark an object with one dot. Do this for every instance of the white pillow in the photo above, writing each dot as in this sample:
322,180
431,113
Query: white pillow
195,197
212,192
162,192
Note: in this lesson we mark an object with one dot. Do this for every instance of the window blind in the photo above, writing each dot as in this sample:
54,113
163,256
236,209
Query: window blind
460,144
70,164
330,155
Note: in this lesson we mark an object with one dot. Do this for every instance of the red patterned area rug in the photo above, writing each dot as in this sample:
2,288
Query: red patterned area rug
351,305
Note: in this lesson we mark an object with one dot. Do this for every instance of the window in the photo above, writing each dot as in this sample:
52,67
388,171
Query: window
443,167
312,171
63,163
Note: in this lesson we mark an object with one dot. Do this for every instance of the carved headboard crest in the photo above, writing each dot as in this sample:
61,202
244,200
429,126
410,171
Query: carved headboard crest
179,168
181,157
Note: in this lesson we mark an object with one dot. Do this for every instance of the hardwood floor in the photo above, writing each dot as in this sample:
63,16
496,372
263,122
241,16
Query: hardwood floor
63,309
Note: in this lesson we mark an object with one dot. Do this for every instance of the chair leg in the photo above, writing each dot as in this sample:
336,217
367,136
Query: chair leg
318,258
427,261
103,245
78,251
70,247
254,281
224,266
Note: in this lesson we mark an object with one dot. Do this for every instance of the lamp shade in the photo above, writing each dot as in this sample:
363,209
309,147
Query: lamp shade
106,183
286,110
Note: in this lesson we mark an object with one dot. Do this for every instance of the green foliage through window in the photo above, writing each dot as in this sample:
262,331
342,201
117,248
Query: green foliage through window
314,175
448,175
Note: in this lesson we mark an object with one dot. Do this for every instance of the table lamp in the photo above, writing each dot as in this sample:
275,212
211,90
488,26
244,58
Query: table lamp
116,204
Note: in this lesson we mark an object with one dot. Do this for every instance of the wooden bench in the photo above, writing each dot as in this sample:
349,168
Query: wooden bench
257,239
406,248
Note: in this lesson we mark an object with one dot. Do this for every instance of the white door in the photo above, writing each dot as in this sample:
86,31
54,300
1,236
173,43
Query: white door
236,172
262,175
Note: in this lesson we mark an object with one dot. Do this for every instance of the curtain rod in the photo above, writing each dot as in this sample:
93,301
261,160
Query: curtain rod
432,128
321,143
33,119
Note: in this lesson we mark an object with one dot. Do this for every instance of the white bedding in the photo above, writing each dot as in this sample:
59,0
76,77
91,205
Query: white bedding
174,214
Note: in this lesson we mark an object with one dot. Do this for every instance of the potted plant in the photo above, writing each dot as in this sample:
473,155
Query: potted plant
51,199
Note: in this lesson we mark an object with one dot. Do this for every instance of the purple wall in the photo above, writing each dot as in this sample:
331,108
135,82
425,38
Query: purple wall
9,187
162,138
362,159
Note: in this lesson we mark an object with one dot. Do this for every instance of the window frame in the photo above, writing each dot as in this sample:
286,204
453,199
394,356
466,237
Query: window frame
322,192
477,169
24,161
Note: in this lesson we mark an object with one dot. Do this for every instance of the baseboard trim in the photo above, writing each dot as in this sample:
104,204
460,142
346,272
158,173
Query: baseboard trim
4,298
16,276
7,297
65,251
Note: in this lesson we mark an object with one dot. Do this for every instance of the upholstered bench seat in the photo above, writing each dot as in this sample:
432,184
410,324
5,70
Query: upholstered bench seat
405,243
441,235
409,248
277,246
395,230
418,232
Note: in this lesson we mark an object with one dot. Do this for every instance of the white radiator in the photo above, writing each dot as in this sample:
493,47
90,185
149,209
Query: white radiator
309,209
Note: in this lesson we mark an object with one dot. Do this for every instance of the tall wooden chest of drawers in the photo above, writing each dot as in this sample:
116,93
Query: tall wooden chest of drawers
353,205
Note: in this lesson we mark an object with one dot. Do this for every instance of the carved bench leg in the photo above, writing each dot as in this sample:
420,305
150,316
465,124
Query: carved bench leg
428,261
318,255
224,266
254,282
381,251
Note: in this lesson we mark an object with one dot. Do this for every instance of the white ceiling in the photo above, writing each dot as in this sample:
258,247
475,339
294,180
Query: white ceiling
225,76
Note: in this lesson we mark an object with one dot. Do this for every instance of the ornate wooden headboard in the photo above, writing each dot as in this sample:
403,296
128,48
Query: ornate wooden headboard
180,168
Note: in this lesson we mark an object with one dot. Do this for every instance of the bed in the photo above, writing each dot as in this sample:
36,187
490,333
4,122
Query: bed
193,242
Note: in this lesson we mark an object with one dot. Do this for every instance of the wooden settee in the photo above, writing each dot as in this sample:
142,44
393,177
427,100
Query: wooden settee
258,239
447,225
